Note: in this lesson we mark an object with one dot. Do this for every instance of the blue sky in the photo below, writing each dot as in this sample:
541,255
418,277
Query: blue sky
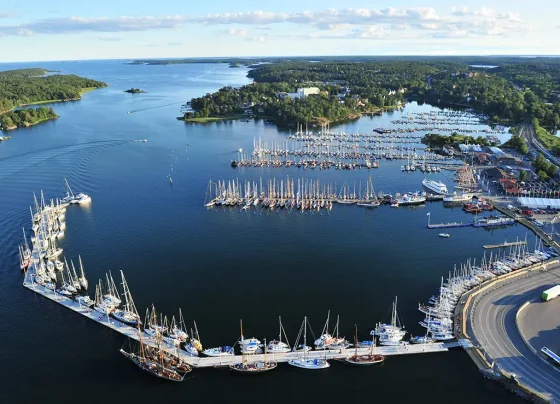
34,30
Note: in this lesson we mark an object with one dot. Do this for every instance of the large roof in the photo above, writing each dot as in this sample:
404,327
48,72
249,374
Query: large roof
541,203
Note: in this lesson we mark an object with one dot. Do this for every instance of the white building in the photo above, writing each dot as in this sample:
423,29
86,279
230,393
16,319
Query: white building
304,92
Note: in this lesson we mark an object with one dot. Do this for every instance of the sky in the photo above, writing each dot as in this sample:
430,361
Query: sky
37,30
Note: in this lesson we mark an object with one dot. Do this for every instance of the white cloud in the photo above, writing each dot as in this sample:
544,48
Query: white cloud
429,26
242,32
108,38
460,11
339,23
98,24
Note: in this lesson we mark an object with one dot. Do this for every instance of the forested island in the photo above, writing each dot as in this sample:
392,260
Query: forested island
333,89
134,91
24,87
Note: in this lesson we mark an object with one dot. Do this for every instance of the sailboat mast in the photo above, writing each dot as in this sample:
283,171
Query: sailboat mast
242,343
305,337
356,341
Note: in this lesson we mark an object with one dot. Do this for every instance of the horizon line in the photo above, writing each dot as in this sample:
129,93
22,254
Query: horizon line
295,56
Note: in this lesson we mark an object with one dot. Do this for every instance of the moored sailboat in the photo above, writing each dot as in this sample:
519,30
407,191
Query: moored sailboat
279,346
254,367
366,359
128,314
304,361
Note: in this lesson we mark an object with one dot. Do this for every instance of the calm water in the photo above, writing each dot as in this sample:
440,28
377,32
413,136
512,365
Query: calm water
217,265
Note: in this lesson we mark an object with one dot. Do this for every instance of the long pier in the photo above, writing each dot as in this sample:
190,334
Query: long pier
133,333
448,225
224,361
505,244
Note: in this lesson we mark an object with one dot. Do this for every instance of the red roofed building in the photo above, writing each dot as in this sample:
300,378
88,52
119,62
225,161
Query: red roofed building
509,185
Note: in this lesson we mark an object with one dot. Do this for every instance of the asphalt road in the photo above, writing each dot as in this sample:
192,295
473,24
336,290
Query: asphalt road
528,132
539,324
492,323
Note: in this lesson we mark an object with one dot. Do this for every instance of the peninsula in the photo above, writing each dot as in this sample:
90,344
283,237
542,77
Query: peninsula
24,87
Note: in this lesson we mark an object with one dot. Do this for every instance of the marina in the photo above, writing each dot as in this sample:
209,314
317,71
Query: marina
171,339
103,310
173,252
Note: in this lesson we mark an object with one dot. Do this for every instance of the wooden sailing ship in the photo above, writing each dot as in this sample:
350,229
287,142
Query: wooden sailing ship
366,359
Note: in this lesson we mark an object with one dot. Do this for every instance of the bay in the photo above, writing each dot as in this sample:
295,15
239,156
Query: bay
218,265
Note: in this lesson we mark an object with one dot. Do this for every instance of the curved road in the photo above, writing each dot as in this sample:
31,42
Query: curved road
492,322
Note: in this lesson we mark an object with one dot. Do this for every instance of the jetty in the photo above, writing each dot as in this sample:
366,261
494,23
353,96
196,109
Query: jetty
448,225
505,244
226,360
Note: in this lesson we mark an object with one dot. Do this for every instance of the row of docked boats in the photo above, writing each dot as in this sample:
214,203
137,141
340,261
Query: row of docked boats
49,269
439,310
304,194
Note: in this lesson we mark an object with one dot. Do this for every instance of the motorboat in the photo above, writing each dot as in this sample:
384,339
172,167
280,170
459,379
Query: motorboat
411,199
457,197
219,351
444,235
277,347
251,346
422,340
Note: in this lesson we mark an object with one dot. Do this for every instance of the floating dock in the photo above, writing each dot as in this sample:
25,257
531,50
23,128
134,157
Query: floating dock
505,244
